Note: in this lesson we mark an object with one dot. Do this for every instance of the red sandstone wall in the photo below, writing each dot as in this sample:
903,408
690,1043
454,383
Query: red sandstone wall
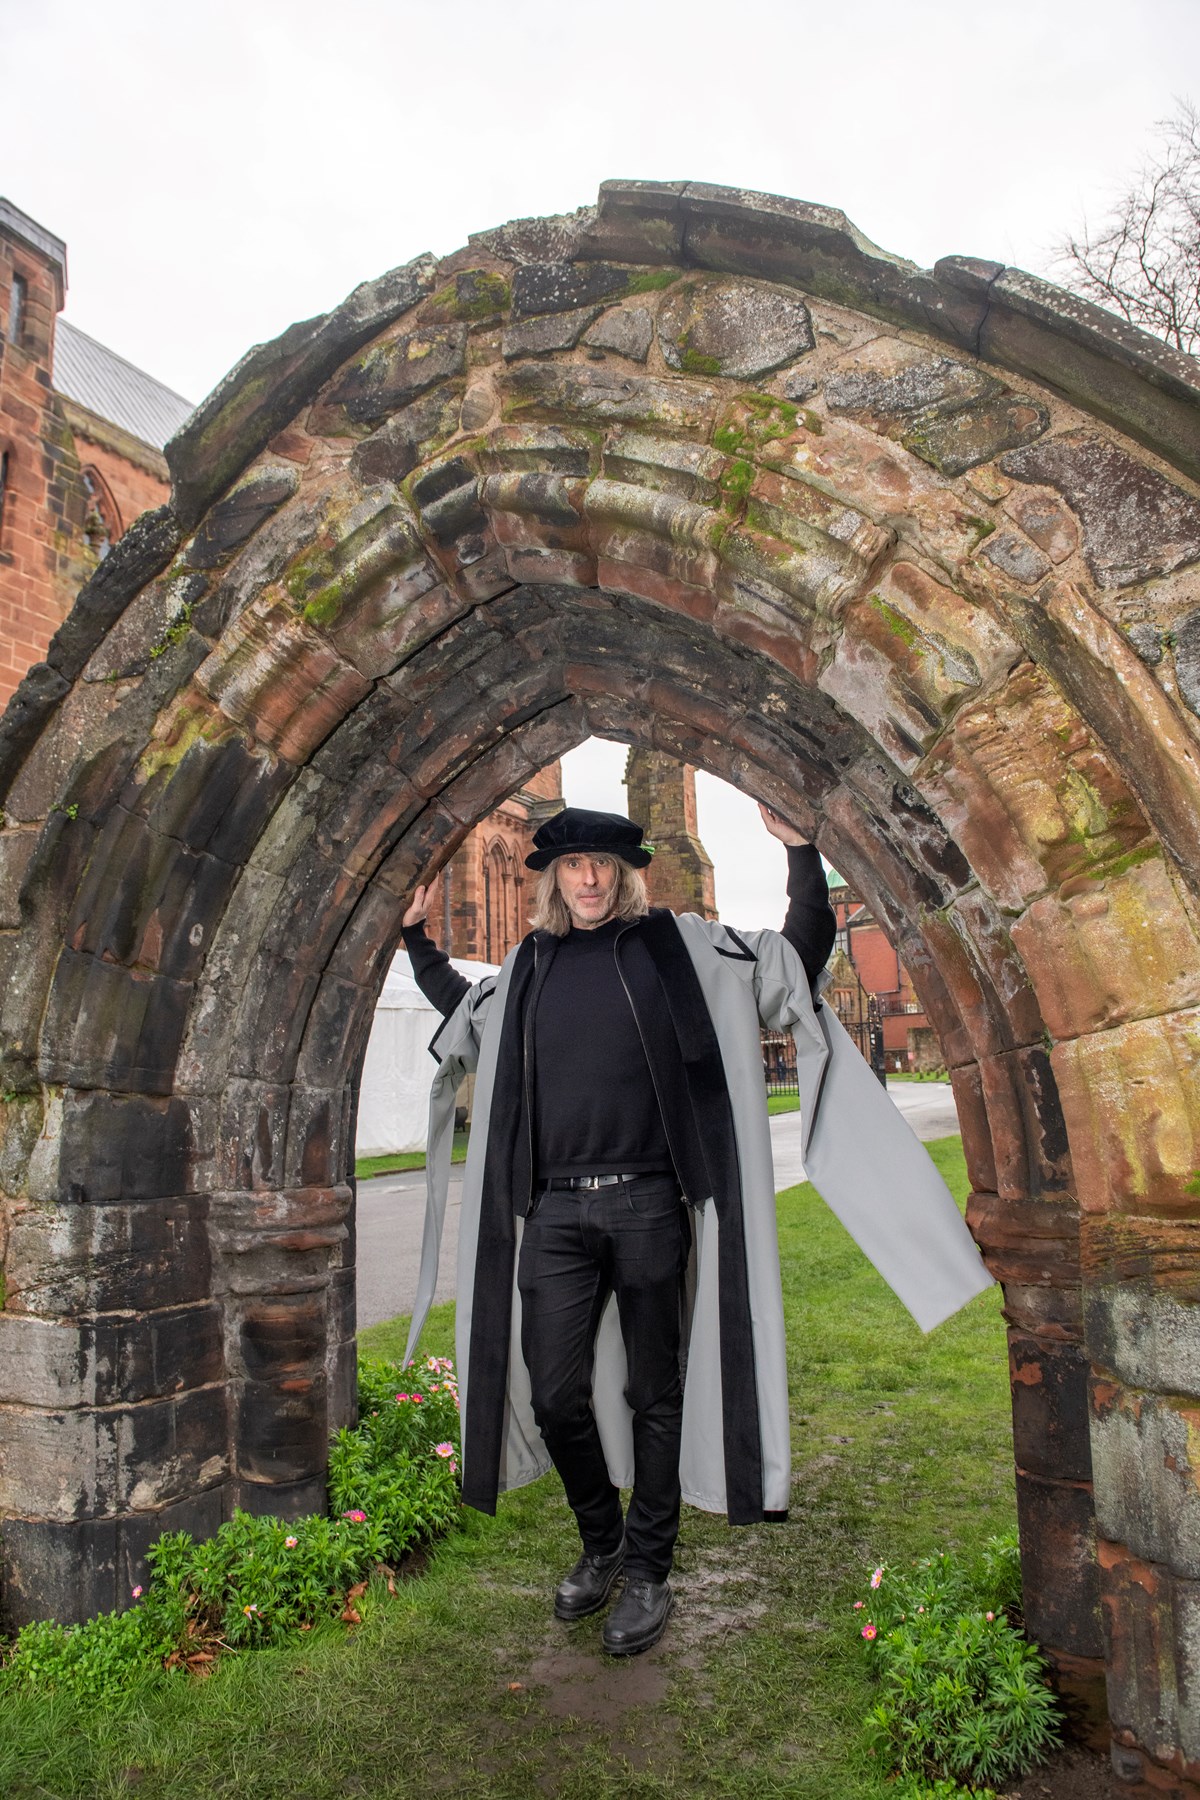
41,530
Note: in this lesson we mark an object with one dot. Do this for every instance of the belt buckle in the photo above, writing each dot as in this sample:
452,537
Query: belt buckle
591,1182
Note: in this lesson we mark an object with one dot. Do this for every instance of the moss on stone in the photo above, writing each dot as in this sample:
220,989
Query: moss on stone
736,482
728,439
696,362
652,281
980,529
895,621
177,629
1121,865
325,606
492,295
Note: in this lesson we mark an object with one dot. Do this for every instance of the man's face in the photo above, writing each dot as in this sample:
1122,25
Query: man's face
588,885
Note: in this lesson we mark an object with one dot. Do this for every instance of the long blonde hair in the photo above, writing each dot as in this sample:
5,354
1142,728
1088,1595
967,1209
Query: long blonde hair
550,909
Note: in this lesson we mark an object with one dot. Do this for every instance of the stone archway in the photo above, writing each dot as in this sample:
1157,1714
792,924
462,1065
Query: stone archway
910,554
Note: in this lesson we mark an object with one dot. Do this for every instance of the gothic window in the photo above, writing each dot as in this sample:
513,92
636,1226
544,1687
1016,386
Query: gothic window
102,522
500,904
17,299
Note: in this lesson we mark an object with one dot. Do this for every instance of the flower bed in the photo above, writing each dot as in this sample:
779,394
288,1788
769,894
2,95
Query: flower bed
964,1693
393,1485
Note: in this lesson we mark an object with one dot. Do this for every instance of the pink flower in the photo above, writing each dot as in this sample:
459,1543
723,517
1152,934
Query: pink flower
400,1398
416,1399
869,1631
433,1387
248,1610
453,1466
289,1543
355,1516
858,1605
137,1592
989,1617
920,1609
877,1577
443,1449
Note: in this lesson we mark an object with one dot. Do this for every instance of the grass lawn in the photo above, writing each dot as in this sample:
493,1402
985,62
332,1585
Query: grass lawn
464,1684
396,1161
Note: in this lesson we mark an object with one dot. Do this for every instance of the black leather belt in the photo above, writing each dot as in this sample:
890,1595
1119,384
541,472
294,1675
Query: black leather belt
563,1182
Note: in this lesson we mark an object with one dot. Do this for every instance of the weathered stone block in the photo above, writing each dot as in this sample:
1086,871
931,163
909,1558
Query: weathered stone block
1049,1382
598,394
627,330
278,1336
109,1027
119,1147
271,1018
16,850
1013,556
732,328
252,1134
1152,1625
962,440
541,449
281,1499
281,1430
278,677
893,381
1145,1338
555,287
1026,790
58,1465
58,1569
1147,1470
1132,1105
1135,523
212,794
549,331
1109,685
390,373
66,1260
691,471
1111,947
168,1449
1058,1565
1030,1244
1029,1134
238,516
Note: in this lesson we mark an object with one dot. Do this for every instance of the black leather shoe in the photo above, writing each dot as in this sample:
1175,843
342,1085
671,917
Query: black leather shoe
589,1584
639,1618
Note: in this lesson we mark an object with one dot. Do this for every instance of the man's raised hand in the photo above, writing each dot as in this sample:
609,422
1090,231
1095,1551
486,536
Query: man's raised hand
418,908
778,828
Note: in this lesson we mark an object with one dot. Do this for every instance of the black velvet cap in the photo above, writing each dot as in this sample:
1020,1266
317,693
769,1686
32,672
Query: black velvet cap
576,831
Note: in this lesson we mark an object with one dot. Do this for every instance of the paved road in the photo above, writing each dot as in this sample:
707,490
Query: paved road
391,1208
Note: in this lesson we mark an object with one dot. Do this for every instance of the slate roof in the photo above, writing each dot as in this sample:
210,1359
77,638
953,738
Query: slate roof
92,376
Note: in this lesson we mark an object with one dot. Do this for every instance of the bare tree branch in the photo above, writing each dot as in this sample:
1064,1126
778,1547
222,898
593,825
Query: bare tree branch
1144,262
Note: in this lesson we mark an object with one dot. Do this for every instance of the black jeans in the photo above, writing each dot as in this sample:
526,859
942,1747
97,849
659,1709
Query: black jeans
579,1246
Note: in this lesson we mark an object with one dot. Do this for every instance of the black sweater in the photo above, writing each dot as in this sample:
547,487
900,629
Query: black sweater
595,1109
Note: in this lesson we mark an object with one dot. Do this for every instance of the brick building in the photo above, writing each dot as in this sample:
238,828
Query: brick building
81,436
908,1039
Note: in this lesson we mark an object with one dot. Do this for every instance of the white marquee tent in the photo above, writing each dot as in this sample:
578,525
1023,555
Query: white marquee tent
393,1105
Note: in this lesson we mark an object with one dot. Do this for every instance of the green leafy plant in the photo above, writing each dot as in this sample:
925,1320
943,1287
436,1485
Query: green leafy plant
964,1697
393,1484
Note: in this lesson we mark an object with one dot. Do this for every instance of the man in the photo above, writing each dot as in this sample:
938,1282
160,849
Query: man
620,1169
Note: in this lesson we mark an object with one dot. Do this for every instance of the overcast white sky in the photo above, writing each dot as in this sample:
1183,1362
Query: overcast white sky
220,170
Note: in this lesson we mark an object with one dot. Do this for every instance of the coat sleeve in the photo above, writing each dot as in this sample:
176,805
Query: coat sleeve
456,1046
859,1151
